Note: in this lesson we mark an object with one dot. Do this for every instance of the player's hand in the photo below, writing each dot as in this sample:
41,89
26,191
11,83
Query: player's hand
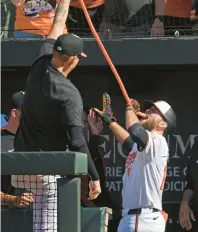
95,123
186,215
157,28
95,189
106,114
134,105
23,201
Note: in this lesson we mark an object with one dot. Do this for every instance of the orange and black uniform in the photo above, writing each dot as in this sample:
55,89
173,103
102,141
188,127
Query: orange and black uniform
36,17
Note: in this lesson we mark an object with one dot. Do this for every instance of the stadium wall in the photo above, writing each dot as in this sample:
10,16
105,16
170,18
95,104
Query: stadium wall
174,84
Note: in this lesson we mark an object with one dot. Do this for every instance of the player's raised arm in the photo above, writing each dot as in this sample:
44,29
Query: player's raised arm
122,136
137,132
131,110
60,18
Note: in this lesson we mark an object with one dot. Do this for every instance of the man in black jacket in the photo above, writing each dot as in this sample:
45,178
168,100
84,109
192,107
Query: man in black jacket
51,117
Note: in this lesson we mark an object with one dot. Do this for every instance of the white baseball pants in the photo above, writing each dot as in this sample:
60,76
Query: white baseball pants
145,222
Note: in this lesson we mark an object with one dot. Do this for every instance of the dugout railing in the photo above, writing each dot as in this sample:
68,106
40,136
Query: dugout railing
70,216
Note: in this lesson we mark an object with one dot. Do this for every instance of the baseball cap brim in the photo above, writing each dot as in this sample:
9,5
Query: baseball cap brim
83,55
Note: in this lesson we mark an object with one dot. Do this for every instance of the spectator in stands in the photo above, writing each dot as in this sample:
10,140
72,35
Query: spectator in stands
188,215
7,145
34,18
172,16
134,17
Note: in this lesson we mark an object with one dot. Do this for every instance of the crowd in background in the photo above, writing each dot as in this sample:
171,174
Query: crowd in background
112,18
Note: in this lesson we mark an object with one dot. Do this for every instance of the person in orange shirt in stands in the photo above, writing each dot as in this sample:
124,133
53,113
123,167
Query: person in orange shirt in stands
172,16
34,18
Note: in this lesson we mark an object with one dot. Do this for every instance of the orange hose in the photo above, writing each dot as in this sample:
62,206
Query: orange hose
104,51
108,59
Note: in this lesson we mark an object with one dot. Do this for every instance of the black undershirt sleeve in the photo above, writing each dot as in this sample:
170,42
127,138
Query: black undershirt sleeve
138,135
46,48
78,143
97,158
127,145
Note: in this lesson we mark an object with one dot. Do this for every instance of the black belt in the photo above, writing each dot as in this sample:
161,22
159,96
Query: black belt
138,211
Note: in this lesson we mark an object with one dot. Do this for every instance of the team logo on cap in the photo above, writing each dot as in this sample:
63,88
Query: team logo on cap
59,48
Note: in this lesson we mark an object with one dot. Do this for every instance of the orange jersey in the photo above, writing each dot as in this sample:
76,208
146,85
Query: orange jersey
36,16
178,8
88,3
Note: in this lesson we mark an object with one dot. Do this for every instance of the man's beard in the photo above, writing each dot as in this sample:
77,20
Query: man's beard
149,124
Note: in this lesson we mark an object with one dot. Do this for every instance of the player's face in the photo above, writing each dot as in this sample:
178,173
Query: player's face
85,124
153,119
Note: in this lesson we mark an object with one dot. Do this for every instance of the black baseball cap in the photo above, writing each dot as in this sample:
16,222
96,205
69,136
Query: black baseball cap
16,101
70,45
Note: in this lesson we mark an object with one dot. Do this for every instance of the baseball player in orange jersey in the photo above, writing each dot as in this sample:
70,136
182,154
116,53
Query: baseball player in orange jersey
145,169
